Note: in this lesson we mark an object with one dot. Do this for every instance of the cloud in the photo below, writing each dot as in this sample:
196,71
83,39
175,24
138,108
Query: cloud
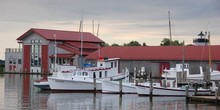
121,21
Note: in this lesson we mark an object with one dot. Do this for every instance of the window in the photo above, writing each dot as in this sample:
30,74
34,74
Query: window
106,73
115,64
100,74
111,64
19,61
35,53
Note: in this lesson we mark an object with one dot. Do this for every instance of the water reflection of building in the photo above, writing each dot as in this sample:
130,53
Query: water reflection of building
38,52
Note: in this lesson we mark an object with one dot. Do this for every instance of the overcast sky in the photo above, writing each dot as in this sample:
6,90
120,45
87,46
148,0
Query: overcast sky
121,21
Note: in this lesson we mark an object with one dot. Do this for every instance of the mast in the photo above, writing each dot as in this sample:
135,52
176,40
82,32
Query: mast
170,28
81,39
55,55
183,57
210,56
99,43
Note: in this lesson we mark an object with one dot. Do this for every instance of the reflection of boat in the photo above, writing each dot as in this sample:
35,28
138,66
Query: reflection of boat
83,79
158,90
62,71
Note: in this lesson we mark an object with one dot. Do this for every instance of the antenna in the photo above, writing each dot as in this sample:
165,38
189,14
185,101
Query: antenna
170,28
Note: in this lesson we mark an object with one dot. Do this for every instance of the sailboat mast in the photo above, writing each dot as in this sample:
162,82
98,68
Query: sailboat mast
55,55
183,57
170,28
210,61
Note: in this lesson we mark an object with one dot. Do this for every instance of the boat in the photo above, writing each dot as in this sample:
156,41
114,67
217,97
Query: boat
158,90
62,71
171,73
115,87
88,79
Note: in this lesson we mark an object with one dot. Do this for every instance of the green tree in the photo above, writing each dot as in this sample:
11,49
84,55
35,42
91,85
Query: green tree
133,43
166,42
114,44
144,44
104,44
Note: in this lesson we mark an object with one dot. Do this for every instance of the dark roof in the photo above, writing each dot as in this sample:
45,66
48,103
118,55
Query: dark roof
61,35
198,53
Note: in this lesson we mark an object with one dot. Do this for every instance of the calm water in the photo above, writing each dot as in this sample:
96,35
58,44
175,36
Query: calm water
16,93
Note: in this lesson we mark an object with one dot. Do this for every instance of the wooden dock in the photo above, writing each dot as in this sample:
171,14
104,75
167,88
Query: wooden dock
205,99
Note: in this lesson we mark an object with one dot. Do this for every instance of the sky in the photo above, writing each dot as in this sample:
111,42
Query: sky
121,21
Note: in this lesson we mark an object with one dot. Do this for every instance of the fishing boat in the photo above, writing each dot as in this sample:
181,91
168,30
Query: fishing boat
88,79
158,90
171,73
61,71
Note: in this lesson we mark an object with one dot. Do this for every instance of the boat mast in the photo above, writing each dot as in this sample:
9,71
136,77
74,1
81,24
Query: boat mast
99,43
55,55
81,39
170,28
210,61
183,57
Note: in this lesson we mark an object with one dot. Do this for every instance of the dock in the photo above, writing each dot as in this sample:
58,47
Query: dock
205,99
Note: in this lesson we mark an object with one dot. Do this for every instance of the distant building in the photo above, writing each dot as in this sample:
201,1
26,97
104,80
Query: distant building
38,51
156,58
202,40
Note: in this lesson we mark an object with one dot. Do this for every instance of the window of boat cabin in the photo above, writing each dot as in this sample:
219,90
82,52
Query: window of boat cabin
84,74
106,73
115,64
100,74
78,73
94,75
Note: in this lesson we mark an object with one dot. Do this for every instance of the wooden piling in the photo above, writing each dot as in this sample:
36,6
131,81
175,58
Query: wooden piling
216,95
120,87
187,93
94,83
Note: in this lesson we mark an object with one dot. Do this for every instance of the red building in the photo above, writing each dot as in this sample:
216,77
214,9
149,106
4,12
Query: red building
39,48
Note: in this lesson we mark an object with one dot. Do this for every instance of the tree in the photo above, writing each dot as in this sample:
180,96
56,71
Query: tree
144,44
166,42
114,44
133,43
104,44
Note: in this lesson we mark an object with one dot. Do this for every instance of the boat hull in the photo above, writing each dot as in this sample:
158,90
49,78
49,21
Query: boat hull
162,91
59,84
114,87
42,85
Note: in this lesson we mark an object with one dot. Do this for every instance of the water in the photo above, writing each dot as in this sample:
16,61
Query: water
16,93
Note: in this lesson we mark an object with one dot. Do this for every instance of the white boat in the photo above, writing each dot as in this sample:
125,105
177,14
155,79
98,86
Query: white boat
158,90
62,71
114,87
83,79
171,73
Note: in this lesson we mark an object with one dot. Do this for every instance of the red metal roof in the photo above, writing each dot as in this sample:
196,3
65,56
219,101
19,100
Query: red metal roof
62,35
85,45
72,50
158,53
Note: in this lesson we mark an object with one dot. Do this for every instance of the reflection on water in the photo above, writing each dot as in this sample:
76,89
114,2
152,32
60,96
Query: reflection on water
18,93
